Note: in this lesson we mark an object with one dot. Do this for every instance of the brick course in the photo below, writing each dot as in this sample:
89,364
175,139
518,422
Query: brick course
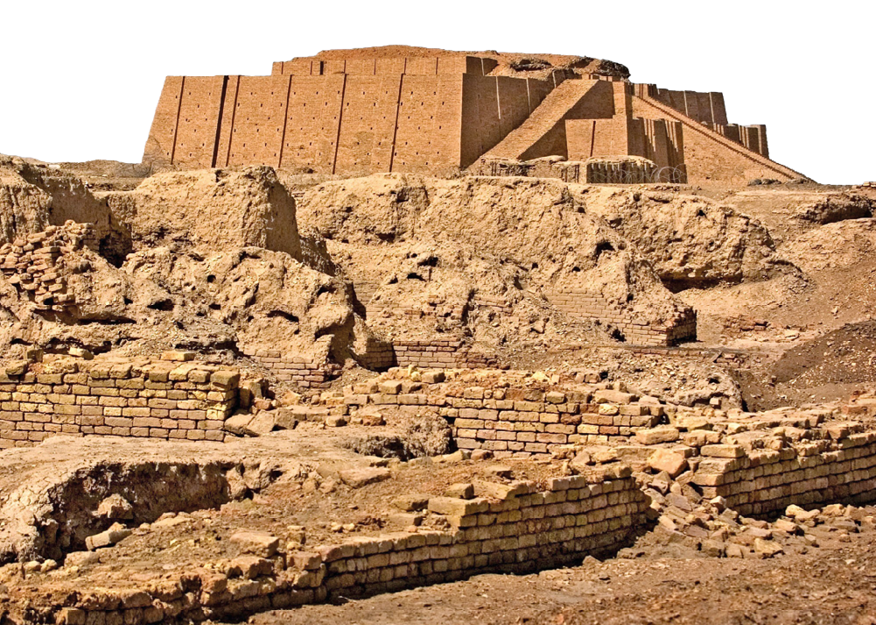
763,482
160,399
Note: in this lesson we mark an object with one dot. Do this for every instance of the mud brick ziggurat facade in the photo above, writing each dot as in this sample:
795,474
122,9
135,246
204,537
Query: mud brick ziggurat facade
398,109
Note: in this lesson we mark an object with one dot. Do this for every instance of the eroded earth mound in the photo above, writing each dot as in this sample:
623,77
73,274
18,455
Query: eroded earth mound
231,391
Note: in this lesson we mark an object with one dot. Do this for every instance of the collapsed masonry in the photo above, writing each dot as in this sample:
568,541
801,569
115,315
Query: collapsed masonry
692,479
400,109
213,261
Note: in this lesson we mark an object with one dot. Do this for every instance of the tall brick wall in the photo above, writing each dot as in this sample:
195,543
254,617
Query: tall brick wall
703,107
709,155
330,122
313,119
437,115
588,138
429,121
368,124
493,106
162,134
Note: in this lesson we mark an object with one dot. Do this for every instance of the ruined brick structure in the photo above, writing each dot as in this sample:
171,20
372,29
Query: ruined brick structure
382,110
150,399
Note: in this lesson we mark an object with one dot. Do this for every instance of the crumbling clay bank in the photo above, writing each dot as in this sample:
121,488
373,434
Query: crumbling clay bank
401,322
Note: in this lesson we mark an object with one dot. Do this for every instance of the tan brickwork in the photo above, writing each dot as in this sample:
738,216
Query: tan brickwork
39,264
517,528
634,331
429,114
517,422
766,481
295,369
168,400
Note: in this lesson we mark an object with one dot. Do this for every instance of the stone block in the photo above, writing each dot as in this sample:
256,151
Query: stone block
357,478
613,397
225,378
259,544
237,424
450,506
390,387
673,462
460,491
722,451
663,434
412,502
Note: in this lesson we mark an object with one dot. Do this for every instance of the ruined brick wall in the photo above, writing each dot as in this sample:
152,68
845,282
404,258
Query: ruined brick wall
522,422
518,422
598,170
635,331
295,369
439,354
512,528
39,264
762,482
166,400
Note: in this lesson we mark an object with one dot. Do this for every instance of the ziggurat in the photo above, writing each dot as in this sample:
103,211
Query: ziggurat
400,109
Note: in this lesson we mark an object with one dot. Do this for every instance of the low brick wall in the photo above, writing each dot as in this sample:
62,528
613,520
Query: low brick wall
515,528
296,369
516,422
763,482
379,355
635,331
148,399
439,354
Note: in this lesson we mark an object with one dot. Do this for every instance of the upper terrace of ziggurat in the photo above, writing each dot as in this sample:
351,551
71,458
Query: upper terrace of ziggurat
401,109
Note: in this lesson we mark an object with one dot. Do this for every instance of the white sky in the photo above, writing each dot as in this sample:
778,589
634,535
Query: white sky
80,80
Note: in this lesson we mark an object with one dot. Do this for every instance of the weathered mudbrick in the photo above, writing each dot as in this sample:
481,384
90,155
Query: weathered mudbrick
439,354
764,481
635,331
296,369
514,527
39,264
516,422
158,399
